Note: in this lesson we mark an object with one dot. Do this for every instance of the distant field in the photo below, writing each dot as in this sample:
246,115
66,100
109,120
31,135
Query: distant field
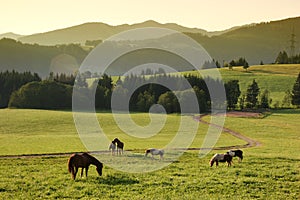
41,131
269,171
275,78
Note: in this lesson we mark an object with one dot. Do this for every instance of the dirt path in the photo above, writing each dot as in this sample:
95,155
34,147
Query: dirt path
250,142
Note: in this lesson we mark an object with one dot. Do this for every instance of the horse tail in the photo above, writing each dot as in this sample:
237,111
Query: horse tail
70,164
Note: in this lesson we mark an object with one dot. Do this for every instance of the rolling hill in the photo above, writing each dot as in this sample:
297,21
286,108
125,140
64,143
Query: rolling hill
10,35
255,42
101,31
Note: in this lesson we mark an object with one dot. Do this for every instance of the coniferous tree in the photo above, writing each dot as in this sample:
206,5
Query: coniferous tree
296,92
287,99
232,93
251,95
265,100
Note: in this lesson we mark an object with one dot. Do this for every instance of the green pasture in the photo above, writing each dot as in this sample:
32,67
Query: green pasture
277,79
42,131
269,171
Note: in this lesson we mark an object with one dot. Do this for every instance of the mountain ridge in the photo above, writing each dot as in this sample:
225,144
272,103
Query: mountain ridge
100,31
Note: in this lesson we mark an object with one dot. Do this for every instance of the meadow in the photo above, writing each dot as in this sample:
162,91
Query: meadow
269,171
277,79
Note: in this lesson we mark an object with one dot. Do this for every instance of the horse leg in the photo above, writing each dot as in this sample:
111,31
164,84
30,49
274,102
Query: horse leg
86,171
82,171
217,163
75,172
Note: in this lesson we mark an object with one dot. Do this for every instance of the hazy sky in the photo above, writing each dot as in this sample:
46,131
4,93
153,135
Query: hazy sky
33,16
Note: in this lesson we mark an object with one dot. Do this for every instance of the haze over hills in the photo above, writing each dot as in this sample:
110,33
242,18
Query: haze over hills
10,35
101,31
255,42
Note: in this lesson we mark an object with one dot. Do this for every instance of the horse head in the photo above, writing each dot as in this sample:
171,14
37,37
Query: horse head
146,152
99,169
211,162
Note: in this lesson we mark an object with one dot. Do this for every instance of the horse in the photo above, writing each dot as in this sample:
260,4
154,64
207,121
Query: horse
221,158
112,147
83,161
236,153
120,146
153,152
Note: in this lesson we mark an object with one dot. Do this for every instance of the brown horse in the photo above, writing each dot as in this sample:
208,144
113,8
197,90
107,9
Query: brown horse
120,146
83,161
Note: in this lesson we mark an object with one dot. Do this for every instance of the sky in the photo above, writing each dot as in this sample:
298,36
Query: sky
35,16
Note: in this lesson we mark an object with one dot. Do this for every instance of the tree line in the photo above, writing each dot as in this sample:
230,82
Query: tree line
27,90
284,58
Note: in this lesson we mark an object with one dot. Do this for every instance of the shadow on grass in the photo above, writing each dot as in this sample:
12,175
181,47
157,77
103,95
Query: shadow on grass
286,111
117,179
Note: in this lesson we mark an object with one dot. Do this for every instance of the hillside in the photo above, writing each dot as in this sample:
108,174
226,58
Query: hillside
259,42
95,31
256,42
277,79
39,59
10,35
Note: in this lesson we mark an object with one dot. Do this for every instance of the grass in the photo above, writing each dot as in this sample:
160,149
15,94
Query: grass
275,78
42,131
190,178
270,171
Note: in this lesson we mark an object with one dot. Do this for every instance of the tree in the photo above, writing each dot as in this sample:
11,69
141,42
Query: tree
282,58
265,100
252,94
202,99
169,101
42,95
233,92
145,101
296,92
287,99
242,100
246,65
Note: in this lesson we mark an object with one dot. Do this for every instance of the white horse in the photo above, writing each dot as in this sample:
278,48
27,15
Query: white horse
153,152
112,147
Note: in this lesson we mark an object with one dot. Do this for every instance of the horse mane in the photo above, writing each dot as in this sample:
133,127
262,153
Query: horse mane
93,160
214,157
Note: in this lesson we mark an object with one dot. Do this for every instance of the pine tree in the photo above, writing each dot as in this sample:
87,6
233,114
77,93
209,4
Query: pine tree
265,100
252,94
296,92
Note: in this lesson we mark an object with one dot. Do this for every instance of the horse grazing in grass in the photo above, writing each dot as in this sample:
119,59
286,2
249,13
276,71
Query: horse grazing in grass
221,158
112,147
236,153
83,161
120,146
153,152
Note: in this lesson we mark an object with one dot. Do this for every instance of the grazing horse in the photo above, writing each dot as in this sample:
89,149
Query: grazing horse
112,147
153,152
83,161
221,158
120,146
236,153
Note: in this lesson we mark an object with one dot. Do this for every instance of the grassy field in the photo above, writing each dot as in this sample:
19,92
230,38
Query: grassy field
41,131
269,171
275,78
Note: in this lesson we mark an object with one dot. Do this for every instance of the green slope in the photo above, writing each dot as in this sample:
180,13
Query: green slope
275,78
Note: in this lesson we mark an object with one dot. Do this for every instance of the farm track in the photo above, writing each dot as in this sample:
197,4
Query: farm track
250,143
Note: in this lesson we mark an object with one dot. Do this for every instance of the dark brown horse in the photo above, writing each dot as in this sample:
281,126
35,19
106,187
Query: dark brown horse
236,153
83,161
120,145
